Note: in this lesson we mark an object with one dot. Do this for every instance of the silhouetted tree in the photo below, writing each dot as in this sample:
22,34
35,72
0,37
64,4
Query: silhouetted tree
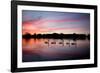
27,35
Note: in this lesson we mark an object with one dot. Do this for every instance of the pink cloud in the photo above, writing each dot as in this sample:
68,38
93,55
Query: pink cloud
37,26
38,22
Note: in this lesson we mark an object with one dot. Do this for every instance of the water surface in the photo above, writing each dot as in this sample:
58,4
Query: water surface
54,49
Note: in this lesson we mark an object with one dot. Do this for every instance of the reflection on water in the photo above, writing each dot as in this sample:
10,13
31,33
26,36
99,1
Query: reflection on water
54,49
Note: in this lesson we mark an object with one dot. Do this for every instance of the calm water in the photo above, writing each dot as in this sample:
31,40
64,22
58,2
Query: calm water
55,49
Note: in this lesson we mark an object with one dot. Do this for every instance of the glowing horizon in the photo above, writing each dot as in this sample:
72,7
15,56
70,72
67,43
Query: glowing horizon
43,22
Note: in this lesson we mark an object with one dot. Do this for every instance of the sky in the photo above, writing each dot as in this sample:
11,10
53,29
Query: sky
44,22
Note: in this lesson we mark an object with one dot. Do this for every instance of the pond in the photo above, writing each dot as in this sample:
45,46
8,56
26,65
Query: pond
34,50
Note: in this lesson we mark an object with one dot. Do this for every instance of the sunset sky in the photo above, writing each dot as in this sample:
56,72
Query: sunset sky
55,22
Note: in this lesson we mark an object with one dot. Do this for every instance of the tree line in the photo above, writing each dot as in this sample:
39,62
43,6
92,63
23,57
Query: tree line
57,36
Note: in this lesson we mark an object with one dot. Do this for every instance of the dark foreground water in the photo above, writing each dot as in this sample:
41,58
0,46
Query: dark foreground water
54,49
